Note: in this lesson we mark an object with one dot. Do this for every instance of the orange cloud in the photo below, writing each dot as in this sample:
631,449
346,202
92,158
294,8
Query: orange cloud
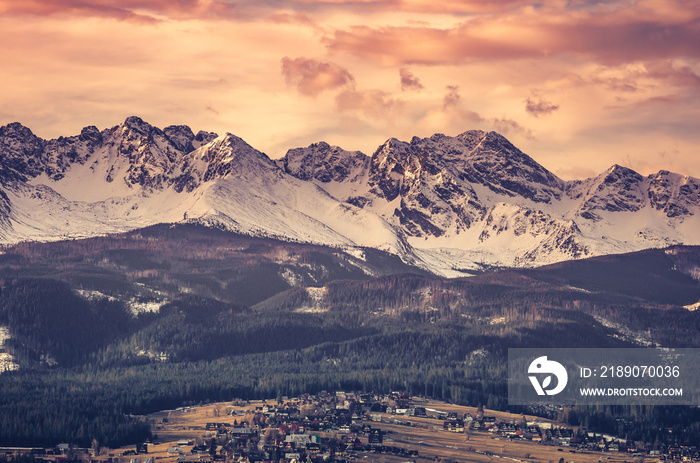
312,77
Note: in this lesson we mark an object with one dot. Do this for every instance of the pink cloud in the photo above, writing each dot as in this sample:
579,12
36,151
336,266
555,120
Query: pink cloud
509,126
128,10
295,18
413,6
539,107
618,84
311,77
372,103
606,35
662,100
678,75
576,173
453,105
452,98
657,73
409,81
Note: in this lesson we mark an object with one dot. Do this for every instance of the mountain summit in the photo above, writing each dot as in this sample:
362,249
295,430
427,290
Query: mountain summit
449,204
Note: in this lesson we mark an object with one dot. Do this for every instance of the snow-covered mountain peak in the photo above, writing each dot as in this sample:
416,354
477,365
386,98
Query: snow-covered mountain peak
324,163
231,150
471,138
674,194
181,136
21,153
442,202
219,158
137,124
617,189
203,137
90,134
17,131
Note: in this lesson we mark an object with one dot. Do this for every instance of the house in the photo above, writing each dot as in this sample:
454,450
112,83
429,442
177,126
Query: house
453,425
375,437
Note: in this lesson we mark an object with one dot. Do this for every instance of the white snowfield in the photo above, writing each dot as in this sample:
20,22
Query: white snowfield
447,204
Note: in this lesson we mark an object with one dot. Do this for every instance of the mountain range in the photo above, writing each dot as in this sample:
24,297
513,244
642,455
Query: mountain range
450,205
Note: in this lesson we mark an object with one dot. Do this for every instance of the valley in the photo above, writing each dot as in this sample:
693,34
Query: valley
350,427
254,318
145,269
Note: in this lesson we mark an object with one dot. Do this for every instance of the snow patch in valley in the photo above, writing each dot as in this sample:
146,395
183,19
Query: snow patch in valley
357,253
7,361
579,290
626,334
134,304
94,295
291,277
317,296
692,307
155,356
139,306
4,335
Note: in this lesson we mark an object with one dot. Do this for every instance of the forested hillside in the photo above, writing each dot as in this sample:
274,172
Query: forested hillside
108,328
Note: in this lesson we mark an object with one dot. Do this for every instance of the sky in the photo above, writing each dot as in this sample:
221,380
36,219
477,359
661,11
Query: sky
578,85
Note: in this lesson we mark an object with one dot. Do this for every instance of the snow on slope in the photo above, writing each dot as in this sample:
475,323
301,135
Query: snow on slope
475,201
448,204
138,177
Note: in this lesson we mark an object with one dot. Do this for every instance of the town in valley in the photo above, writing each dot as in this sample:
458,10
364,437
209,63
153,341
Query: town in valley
360,427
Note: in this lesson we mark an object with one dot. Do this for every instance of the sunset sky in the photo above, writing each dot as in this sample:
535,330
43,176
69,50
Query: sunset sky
578,85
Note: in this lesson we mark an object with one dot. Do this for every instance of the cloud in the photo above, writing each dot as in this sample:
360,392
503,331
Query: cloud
454,107
126,10
452,97
459,7
72,8
212,109
539,107
509,126
372,103
611,34
312,77
647,76
618,84
452,116
678,75
294,18
575,173
287,11
409,81
661,100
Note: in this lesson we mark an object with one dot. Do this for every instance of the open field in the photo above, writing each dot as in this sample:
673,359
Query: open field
425,435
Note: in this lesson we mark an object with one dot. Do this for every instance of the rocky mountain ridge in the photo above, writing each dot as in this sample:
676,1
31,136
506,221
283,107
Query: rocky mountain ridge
448,204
